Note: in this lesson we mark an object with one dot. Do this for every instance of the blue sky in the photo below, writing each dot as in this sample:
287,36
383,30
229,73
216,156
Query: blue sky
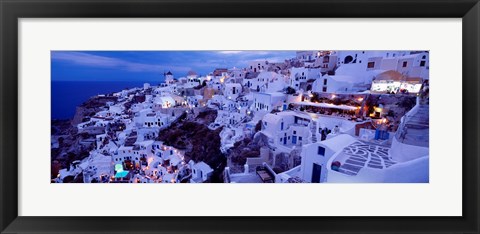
149,65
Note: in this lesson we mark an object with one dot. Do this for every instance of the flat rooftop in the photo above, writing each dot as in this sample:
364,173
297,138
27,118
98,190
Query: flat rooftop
359,155
245,178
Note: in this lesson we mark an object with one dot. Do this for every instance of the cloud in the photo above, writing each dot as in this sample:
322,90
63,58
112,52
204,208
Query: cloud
230,52
91,60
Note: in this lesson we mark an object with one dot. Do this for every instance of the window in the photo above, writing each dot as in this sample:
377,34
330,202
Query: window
324,81
422,63
404,64
294,132
324,89
348,59
371,65
299,138
321,151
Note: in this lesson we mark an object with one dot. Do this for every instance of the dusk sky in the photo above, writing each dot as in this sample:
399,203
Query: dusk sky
149,65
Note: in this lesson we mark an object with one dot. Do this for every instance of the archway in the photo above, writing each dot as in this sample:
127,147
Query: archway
348,59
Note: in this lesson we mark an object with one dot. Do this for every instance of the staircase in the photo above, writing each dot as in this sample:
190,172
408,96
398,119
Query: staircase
414,129
313,129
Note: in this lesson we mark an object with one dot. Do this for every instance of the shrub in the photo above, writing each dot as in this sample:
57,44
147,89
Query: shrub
290,90
258,126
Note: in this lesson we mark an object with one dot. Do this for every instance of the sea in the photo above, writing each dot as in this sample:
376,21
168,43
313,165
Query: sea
67,95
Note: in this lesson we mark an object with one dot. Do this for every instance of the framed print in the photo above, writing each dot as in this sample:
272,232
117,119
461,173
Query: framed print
226,116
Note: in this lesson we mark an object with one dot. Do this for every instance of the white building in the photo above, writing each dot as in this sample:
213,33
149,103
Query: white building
361,56
97,167
194,101
169,79
237,74
200,171
326,63
306,56
269,101
123,153
258,66
411,65
287,129
394,82
339,84
316,155
164,101
232,90
147,118
264,81
302,75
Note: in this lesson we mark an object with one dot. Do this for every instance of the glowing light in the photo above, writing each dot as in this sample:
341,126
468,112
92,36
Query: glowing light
360,99
118,168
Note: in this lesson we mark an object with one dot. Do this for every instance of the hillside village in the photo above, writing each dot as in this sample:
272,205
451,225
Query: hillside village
319,117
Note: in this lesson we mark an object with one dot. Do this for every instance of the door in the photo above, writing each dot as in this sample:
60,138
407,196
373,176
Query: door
294,139
316,172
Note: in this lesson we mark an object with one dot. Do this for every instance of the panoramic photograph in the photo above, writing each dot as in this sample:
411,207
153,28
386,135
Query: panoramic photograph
319,116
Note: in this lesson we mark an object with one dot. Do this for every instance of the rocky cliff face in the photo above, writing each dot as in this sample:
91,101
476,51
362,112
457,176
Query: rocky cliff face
69,144
199,142
90,107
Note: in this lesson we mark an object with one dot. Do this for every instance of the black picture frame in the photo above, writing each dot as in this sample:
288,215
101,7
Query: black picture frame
11,11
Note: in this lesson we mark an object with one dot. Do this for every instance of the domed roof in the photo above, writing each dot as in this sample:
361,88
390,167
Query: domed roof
390,75
169,73
191,73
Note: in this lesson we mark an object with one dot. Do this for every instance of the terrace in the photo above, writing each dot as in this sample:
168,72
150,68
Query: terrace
329,109
359,155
